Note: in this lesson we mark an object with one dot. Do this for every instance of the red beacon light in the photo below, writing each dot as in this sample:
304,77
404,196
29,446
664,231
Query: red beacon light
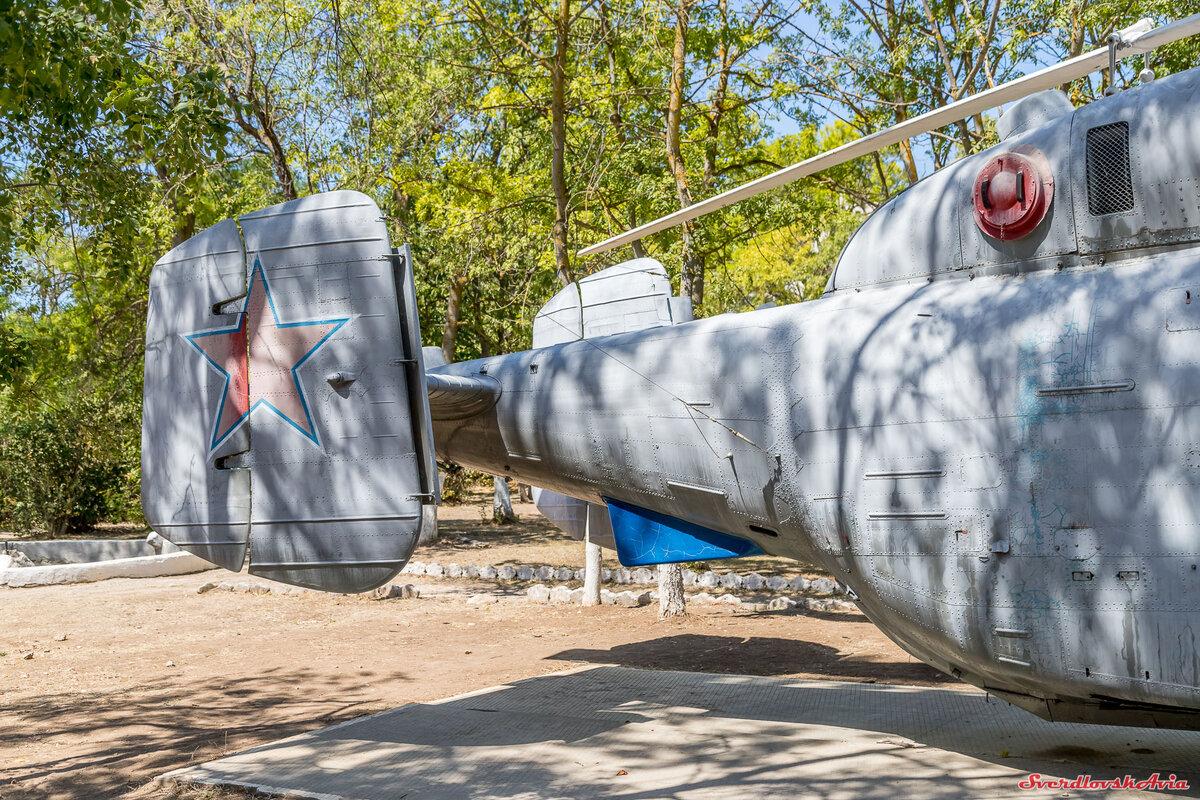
1012,193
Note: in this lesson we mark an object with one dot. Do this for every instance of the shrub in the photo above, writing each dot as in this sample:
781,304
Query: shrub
65,469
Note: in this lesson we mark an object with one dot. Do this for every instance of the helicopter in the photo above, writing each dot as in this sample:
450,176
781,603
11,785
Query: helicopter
987,427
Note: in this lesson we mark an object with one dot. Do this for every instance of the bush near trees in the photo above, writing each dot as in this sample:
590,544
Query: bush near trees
497,138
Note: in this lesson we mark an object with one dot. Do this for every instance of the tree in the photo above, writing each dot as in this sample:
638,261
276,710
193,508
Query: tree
671,600
271,60
691,280
543,41
494,138
792,262
103,150
502,510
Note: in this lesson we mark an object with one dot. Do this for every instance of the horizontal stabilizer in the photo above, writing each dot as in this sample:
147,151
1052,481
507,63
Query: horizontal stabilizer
630,296
285,410
579,519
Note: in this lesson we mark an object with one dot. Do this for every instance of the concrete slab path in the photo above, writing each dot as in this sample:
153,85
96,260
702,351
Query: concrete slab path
615,732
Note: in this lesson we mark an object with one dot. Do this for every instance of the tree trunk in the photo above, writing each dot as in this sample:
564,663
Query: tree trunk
618,122
401,199
558,141
671,600
691,282
725,57
270,140
427,533
638,250
910,163
899,100
453,315
256,92
502,510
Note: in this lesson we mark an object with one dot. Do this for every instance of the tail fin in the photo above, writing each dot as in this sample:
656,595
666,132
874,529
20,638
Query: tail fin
285,413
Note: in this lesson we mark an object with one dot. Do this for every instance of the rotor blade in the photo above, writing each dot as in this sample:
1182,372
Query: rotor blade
1137,38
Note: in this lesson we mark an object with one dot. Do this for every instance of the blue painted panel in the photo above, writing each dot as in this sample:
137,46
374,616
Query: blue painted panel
646,537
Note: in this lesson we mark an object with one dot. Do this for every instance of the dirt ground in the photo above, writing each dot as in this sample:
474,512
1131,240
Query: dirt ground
104,686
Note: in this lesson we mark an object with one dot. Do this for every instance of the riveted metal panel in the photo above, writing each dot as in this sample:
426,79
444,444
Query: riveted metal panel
911,236
632,296
1163,167
185,497
337,495
1054,236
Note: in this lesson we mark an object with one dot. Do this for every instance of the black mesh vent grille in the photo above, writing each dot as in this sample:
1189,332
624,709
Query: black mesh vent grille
1109,187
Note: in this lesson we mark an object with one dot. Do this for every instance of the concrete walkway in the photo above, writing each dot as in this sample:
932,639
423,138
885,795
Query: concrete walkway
602,732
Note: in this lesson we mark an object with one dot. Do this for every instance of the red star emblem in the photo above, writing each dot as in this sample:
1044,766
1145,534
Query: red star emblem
259,357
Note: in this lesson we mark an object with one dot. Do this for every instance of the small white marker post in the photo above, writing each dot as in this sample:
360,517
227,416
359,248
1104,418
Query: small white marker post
591,565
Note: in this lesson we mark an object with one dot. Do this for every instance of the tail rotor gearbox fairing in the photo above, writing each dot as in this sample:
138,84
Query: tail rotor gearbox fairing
284,412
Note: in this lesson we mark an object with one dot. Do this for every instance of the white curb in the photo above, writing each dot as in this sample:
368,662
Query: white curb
142,567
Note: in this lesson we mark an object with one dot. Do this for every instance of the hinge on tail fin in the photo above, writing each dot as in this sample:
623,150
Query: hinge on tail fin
413,363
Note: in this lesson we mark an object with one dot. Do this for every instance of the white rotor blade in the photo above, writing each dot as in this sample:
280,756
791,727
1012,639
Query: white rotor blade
1136,38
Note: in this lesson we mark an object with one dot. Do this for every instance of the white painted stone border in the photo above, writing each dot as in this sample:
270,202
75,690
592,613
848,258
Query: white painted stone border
388,591
141,567
564,594
621,576
49,552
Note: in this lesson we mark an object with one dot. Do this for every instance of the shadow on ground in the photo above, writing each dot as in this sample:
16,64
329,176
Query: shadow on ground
136,733
751,656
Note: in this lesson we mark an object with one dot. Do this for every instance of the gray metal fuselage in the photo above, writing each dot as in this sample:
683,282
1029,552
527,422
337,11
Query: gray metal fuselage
923,458
995,446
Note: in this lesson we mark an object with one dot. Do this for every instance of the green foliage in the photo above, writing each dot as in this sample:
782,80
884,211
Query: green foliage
70,414
813,221
14,354
57,60
457,481
63,470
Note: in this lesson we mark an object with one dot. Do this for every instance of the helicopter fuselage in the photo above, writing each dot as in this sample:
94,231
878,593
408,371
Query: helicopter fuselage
992,440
